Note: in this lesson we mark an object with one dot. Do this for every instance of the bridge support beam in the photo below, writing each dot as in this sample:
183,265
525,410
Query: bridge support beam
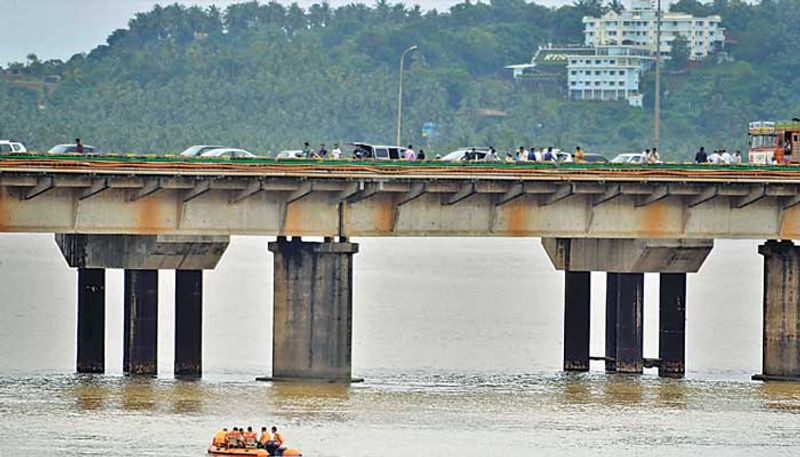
313,308
140,354
91,320
630,301
672,325
612,300
188,323
577,311
781,338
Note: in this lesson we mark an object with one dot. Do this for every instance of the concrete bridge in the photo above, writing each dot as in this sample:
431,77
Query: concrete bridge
146,216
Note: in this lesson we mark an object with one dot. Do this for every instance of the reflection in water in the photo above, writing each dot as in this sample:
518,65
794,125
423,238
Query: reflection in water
186,396
671,393
138,394
576,388
90,392
781,396
623,389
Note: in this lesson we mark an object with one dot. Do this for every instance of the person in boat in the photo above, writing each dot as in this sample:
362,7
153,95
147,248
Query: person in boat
275,445
249,438
234,437
264,438
220,438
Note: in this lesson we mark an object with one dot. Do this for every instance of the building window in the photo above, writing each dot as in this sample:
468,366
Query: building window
612,72
597,72
573,72
597,83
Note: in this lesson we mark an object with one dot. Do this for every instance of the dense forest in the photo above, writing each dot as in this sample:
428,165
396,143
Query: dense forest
269,77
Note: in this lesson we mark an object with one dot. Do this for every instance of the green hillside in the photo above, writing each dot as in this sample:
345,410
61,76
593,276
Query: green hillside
268,77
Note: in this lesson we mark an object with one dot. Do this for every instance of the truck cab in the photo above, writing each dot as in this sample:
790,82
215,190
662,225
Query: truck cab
774,142
378,152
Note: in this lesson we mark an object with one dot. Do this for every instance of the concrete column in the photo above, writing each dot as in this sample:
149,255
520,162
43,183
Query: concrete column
188,323
781,349
612,297
140,322
577,309
629,322
91,320
313,307
672,325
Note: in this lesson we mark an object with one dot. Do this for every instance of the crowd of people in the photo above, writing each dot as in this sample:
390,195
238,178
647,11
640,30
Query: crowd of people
239,438
718,157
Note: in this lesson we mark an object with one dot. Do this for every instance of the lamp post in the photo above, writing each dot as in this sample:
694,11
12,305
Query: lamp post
657,104
400,94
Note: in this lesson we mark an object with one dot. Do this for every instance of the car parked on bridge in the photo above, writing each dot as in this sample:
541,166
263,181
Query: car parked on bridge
291,154
229,153
71,149
588,157
460,155
378,152
628,157
12,147
199,149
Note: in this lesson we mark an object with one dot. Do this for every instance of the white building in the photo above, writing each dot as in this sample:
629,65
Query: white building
612,73
637,27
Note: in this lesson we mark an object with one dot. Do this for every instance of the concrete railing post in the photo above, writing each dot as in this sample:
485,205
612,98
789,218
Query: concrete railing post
91,320
313,308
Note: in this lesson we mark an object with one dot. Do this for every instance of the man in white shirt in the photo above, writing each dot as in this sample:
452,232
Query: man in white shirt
715,158
727,159
337,152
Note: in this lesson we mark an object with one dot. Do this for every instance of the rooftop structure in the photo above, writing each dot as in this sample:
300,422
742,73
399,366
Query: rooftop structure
637,27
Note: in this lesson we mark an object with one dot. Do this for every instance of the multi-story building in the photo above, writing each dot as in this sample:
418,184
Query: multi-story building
637,27
611,73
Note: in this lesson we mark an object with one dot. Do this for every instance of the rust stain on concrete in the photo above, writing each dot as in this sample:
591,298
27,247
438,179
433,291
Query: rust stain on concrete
516,214
293,223
384,215
790,223
3,210
654,219
148,215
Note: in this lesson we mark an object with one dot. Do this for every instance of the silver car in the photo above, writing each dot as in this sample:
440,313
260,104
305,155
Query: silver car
198,150
229,153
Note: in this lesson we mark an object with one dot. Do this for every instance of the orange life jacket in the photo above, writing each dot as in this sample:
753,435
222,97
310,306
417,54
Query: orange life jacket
265,437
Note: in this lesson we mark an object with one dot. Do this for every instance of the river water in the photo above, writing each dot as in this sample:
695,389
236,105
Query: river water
459,342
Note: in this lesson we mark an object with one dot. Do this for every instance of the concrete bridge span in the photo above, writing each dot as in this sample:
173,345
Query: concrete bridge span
627,222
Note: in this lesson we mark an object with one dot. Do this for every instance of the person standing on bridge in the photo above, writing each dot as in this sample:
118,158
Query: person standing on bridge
701,156
410,155
337,152
308,153
78,146
421,155
578,154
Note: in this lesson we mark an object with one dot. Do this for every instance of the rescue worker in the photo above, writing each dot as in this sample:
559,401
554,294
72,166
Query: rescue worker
249,437
274,446
220,438
264,438
234,437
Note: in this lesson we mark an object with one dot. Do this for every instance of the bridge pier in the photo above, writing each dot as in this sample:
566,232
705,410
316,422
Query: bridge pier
672,325
781,337
577,312
91,320
313,308
188,323
140,345
612,298
630,305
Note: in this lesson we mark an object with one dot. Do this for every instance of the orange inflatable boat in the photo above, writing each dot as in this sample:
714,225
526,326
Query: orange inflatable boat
248,452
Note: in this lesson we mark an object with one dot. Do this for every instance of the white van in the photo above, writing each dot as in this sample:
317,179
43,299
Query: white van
378,152
12,147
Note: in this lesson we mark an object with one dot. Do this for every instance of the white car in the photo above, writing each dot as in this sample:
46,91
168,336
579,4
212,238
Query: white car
12,147
459,155
229,153
628,157
293,154
198,150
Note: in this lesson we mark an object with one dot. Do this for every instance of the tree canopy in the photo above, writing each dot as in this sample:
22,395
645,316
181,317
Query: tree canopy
269,77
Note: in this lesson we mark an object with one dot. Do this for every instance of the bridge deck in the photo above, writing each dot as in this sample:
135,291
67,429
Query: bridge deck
163,195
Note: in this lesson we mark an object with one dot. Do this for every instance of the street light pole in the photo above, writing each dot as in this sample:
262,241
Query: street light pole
400,94
657,107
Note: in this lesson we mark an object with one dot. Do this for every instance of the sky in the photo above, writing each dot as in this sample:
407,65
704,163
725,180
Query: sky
57,29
